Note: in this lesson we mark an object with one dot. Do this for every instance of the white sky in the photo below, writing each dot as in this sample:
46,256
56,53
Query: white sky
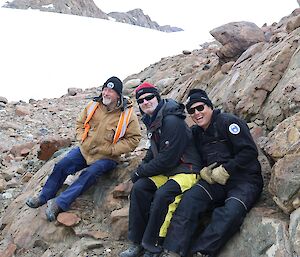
42,54
204,15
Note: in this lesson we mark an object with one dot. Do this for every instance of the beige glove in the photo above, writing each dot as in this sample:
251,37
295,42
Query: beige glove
206,173
220,175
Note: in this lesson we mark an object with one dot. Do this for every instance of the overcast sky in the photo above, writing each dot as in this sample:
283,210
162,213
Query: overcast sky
205,15
42,54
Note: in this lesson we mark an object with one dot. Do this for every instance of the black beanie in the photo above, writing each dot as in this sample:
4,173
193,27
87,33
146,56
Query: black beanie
198,95
115,84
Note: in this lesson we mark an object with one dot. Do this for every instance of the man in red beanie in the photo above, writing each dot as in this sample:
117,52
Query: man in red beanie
168,169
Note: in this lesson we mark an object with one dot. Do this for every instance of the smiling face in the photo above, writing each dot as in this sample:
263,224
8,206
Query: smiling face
109,97
201,114
148,106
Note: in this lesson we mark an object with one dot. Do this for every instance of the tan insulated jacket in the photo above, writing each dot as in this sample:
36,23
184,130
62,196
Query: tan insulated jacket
99,142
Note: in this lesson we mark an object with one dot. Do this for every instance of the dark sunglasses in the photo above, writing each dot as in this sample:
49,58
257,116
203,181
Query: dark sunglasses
148,98
199,108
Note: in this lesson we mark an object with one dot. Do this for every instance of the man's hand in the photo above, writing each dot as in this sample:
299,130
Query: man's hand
220,175
206,173
134,176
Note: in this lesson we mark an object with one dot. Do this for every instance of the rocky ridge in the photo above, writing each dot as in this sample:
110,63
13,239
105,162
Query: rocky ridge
89,9
138,18
253,73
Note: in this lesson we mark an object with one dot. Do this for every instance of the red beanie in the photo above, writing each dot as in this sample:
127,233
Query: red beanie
144,88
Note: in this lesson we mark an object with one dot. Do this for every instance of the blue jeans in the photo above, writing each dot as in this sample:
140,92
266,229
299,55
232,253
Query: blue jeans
73,162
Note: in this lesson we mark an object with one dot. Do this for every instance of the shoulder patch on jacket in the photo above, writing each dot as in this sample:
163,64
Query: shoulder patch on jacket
234,129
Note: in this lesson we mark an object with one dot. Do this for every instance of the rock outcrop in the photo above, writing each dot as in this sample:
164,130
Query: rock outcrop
236,37
261,84
138,18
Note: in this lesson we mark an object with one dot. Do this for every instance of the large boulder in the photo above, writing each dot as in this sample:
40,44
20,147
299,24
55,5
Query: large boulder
284,183
284,139
284,100
236,37
247,87
263,233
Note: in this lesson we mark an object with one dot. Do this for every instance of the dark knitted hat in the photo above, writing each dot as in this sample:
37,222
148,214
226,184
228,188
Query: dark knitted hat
115,84
198,95
146,87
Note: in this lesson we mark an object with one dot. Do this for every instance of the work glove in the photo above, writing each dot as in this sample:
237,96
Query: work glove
134,176
206,173
220,175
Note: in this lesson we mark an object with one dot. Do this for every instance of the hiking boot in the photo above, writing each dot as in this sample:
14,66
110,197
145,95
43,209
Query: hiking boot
134,250
34,202
52,210
170,254
149,254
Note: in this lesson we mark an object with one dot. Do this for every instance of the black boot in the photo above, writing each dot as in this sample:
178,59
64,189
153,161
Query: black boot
149,254
52,210
170,254
134,250
34,202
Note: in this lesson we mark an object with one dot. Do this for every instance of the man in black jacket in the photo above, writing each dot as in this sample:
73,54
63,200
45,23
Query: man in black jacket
169,168
230,183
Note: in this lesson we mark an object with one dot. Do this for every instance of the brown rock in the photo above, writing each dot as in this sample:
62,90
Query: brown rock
68,219
293,24
50,145
226,67
9,251
17,150
121,213
3,184
293,136
26,177
122,190
25,151
22,111
119,224
284,139
284,182
94,234
73,91
236,37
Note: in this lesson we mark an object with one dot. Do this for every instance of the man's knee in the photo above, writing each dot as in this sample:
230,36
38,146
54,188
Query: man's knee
235,206
143,184
234,211
168,192
63,164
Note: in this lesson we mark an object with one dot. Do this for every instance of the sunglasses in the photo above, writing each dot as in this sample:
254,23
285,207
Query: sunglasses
148,98
199,108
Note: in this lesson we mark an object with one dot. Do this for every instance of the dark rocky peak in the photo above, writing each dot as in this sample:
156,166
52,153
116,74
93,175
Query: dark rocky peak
76,7
89,9
138,18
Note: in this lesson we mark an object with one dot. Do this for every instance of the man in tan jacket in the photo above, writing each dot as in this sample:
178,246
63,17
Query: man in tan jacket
106,128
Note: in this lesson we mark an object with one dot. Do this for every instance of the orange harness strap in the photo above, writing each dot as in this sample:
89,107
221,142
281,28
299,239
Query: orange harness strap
122,124
91,108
